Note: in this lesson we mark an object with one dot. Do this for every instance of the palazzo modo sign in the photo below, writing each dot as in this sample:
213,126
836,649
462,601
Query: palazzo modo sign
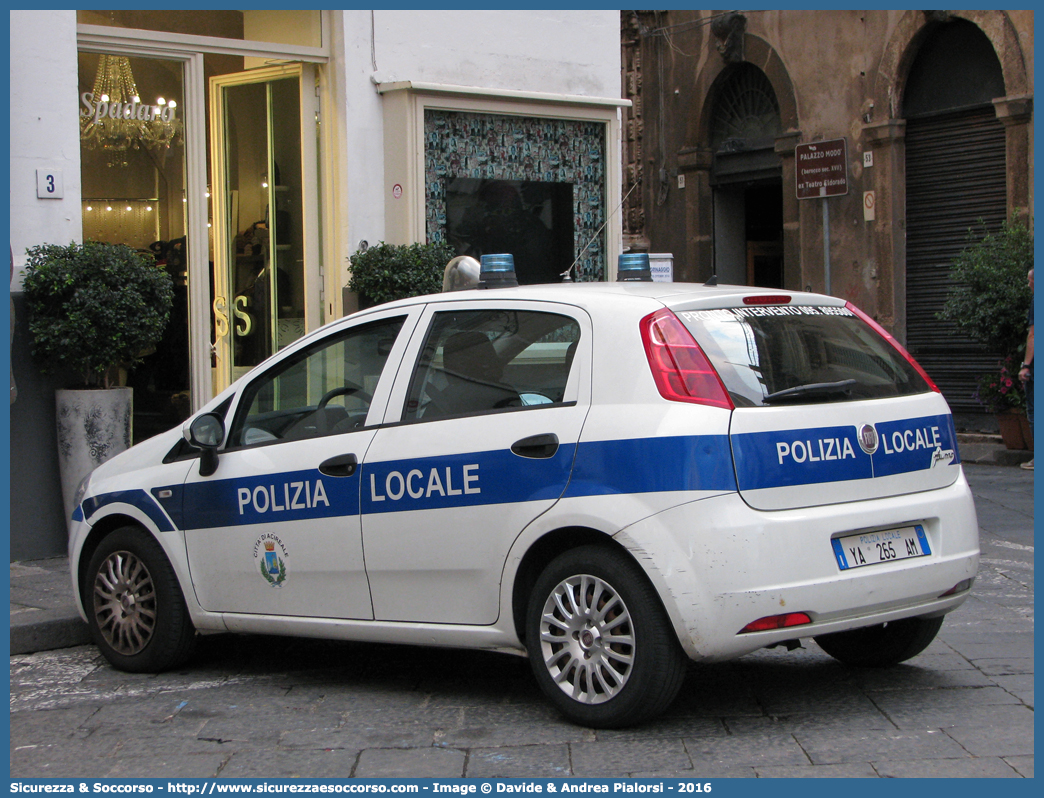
822,169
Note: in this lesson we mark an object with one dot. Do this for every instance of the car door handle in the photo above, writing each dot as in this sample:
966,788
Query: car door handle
536,446
343,465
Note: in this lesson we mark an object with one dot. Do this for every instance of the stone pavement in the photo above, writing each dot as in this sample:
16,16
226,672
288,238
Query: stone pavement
986,449
281,707
43,615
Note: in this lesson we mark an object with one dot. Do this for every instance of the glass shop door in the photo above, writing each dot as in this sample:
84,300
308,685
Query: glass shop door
265,214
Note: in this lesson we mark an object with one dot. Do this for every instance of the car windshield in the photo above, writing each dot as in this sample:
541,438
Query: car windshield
775,355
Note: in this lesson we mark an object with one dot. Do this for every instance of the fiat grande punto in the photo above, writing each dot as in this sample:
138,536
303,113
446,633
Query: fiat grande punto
611,479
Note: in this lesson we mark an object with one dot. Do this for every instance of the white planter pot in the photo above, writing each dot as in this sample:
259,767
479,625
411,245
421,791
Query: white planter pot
92,427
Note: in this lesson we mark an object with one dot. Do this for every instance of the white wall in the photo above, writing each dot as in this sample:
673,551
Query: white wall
562,52
556,52
44,132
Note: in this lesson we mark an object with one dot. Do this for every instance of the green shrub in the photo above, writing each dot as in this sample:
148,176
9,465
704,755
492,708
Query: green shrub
94,307
990,296
386,272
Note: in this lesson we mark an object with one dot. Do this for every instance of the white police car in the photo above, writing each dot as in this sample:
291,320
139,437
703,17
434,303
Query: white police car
610,478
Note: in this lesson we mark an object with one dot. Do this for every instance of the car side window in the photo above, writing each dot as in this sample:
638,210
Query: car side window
324,389
487,361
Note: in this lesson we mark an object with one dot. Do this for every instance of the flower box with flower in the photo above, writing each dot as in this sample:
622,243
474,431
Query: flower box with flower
1001,390
1001,393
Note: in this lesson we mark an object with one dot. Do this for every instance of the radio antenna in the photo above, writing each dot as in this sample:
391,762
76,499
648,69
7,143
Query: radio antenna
567,275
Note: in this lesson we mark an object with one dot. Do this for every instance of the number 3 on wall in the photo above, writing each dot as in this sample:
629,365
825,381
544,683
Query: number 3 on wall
49,184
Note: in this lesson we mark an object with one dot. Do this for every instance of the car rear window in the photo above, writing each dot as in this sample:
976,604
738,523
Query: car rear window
783,354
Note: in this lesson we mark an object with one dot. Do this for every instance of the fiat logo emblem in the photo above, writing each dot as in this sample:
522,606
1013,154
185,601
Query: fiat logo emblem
868,438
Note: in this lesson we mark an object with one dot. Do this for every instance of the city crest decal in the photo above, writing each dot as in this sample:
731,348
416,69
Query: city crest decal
270,552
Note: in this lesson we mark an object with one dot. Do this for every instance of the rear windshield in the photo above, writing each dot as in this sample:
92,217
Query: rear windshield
776,355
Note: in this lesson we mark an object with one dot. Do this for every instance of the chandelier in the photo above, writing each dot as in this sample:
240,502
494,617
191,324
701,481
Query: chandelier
113,117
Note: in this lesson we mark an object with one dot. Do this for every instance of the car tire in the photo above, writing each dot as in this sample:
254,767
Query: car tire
600,643
882,645
135,607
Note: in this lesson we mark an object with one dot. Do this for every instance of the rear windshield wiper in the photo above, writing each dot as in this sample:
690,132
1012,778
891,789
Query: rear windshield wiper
812,389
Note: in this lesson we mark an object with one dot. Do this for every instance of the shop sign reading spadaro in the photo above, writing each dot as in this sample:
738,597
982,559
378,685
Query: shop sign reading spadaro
132,110
822,169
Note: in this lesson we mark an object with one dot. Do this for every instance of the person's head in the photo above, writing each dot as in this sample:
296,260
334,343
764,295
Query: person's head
1030,278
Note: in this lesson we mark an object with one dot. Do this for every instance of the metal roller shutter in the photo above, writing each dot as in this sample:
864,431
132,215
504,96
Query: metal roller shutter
955,179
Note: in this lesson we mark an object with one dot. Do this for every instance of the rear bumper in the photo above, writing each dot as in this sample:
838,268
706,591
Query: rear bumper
720,565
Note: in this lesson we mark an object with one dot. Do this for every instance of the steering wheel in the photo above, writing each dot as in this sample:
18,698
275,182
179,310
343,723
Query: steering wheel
345,390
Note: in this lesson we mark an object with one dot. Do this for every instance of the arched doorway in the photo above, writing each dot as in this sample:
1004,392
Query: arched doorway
746,179
955,182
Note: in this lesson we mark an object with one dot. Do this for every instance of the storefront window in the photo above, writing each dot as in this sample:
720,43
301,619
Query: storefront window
132,156
301,28
531,186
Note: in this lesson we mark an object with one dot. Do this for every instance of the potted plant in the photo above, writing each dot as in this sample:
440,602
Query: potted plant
988,303
94,309
1001,394
386,272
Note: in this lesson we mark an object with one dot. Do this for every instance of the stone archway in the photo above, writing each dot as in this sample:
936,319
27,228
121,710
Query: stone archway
884,133
929,203
746,178
1014,110
696,159
909,34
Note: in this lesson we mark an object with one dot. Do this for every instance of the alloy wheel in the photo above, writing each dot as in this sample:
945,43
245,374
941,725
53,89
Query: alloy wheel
587,639
125,603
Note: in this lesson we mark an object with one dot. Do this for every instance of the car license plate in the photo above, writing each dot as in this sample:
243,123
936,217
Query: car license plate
874,548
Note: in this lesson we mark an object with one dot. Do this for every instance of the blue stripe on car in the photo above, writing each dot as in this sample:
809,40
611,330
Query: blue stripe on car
649,465
815,455
272,498
493,477
597,468
473,479
785,458
910,445
135,498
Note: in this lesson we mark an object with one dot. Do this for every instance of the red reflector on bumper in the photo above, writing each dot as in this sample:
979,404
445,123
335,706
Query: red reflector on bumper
960,587
776,622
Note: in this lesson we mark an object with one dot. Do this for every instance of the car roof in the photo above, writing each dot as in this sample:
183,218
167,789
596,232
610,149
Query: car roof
591,294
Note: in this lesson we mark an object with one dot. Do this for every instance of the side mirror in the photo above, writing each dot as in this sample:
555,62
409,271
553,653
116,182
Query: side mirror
206,433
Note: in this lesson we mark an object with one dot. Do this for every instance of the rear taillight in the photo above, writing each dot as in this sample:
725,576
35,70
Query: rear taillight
899,347
680,368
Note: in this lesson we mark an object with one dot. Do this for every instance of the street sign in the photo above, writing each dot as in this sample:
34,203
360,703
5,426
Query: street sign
822,169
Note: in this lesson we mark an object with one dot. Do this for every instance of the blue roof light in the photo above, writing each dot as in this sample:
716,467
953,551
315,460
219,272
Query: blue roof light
498,271
633,267
498,263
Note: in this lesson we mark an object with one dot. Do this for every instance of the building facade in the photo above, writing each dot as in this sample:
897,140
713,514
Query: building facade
931,113
252,152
